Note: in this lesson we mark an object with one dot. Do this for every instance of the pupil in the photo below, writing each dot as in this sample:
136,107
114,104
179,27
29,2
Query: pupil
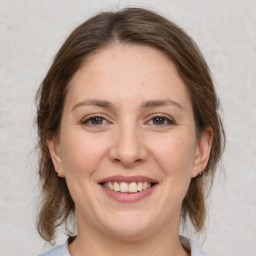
97,120
158,120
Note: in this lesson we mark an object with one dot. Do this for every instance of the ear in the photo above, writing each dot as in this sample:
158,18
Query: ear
202,152
54,148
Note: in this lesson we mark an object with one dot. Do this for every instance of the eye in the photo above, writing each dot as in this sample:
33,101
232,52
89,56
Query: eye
94,121
161,121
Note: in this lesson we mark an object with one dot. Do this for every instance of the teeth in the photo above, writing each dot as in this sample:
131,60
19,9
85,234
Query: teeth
116,186
124,187
145,185
133,188
110,185
140,186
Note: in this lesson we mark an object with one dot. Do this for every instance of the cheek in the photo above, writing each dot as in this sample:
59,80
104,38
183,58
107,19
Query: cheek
81,156
175,154
81,153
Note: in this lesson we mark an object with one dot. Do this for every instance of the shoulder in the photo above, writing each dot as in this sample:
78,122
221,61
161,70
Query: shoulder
195,251
191,246
61,250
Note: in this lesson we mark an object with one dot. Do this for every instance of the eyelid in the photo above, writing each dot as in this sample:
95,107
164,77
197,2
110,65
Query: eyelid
171,120
89,117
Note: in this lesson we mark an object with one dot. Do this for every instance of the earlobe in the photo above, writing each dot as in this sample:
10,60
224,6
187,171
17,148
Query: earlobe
60,173
54,149
202,153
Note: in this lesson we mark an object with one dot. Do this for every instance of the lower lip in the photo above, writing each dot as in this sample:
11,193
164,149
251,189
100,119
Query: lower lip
128,197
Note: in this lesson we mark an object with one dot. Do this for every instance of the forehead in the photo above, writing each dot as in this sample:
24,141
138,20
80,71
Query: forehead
127,70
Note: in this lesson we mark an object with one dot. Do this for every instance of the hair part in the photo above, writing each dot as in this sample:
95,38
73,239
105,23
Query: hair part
128,26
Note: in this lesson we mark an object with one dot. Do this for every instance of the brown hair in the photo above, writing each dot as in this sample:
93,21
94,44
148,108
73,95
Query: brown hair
129,26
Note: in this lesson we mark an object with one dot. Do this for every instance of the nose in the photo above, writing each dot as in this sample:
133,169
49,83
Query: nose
128,148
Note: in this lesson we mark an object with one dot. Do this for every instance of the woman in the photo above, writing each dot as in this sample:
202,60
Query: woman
129,137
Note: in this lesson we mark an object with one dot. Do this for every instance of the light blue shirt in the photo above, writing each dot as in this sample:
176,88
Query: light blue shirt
62,250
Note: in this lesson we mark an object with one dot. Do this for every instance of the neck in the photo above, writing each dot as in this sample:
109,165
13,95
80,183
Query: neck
91,241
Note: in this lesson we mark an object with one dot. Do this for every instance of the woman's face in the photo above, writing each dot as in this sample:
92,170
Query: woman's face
127,145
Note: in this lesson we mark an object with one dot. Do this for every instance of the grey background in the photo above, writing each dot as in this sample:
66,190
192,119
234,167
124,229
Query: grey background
30,34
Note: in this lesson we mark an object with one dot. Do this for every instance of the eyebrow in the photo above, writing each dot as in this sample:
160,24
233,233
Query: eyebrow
159,103
99,103
146,104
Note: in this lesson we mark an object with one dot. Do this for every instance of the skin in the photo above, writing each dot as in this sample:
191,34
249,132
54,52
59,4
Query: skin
139,84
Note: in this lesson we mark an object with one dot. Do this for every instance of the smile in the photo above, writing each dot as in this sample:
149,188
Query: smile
125,187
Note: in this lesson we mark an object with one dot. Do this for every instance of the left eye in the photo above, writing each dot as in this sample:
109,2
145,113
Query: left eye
161,120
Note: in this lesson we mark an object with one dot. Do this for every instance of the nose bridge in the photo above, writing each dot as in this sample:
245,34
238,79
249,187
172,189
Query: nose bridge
128,147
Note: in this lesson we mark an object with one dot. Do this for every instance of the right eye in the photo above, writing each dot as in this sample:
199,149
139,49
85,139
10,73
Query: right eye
94,121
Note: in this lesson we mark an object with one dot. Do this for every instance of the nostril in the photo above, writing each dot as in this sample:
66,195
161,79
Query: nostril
127,162
116,160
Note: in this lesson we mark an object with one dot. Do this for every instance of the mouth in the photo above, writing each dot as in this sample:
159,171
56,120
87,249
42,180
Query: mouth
128,189
124,187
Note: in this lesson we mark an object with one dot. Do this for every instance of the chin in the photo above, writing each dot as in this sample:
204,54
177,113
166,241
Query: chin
129,226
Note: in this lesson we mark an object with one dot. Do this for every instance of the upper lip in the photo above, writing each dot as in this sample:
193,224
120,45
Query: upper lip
127,179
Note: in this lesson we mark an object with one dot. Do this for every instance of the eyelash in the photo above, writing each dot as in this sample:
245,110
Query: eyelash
167,121
164,121
89,120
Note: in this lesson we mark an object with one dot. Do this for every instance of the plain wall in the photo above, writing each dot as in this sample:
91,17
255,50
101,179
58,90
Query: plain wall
31,33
